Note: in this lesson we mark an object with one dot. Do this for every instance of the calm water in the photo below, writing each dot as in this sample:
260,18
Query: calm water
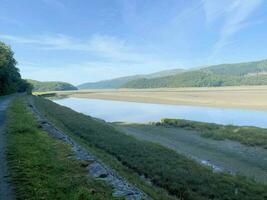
113,111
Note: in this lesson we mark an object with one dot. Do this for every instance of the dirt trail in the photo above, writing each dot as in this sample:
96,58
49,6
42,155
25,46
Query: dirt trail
96,168
6,190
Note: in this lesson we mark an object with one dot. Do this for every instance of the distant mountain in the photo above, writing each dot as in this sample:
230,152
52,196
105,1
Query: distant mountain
119,82
107,84
249,73
39,86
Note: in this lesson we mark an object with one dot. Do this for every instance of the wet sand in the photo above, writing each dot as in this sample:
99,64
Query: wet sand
250,97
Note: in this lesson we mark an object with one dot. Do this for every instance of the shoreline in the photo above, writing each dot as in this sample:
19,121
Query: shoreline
163,102
250,97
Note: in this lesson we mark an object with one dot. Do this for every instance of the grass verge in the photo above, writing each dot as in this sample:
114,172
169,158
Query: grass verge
248,135
42,167
165,168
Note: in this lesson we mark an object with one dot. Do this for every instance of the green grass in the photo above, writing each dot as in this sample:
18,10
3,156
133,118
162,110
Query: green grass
133,177
228,155
43,167
248,135
165,168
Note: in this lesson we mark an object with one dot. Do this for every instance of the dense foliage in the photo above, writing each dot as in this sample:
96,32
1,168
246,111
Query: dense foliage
10,79
39,86
247,135
45,168
180,176
252,73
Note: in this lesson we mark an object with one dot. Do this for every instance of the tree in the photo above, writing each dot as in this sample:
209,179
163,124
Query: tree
10,79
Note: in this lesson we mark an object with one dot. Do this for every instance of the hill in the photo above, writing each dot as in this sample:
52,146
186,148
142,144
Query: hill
39,86
249,73
119,82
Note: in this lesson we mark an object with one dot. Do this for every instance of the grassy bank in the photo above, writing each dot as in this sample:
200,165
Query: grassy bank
42,167
180,176
252,136
224,154
132,176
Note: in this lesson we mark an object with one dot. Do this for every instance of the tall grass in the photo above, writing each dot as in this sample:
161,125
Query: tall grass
165,168
248,135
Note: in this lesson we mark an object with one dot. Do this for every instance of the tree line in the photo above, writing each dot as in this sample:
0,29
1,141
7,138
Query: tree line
10,78
251,73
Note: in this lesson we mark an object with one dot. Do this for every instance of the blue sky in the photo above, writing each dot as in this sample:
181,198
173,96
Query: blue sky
89,40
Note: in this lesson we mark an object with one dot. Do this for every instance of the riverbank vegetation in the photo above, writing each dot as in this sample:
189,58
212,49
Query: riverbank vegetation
248,135
225,155
10,79
132,176
184,178
42,167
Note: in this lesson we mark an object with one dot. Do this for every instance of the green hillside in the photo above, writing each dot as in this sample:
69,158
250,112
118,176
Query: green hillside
39,86
119,82
108,84
250,73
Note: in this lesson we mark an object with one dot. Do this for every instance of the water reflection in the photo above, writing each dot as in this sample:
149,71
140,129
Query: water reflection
145,112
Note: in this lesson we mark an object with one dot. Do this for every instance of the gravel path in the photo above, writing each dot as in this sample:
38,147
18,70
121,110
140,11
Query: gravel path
6,191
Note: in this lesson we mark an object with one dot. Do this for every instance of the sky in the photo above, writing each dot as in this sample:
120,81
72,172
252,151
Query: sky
81,41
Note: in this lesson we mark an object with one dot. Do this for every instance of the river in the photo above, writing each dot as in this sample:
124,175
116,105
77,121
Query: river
114,111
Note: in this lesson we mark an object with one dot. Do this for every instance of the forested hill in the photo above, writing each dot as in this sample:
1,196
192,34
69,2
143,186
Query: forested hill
249,73
119,82
107,84
39,86
10,79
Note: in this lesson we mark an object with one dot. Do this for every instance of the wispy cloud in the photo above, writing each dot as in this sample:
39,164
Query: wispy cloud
57,41
107,54
106,47
100,44
89,71
187,13
234,13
